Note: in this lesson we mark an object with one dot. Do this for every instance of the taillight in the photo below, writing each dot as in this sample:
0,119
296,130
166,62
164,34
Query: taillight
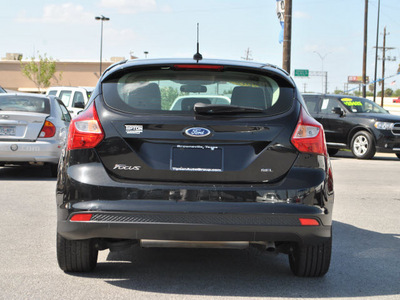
309,136
199,67
48,130
85,130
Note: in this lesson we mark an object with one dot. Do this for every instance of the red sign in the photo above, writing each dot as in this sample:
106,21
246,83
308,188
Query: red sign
356,79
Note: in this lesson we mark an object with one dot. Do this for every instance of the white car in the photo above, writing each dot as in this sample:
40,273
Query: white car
33,130
74,98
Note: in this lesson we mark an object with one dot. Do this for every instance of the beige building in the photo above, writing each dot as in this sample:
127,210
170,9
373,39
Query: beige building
73,73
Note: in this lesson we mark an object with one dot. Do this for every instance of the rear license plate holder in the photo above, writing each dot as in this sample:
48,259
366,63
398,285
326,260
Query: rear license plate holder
7,130
197,158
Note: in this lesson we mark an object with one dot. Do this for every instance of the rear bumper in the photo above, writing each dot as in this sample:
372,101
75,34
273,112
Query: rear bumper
193,211
38,151
197,221
196,233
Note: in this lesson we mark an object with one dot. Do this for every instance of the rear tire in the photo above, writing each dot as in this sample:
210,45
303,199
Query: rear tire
311,260
76,255
332,151
363,145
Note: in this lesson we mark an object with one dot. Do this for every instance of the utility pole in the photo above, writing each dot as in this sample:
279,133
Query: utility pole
247,55
376,50
326,82
384,59
287,36
383,66
364,71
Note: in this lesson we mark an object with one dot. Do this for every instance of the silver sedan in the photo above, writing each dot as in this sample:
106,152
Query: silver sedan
33,129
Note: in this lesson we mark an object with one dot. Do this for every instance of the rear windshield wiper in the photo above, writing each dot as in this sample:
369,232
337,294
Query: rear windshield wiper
202,108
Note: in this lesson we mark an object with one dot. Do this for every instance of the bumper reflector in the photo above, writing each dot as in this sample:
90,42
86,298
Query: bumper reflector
308,222
81,218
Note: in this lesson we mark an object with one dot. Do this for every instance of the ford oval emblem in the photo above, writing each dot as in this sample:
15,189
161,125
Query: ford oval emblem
197,132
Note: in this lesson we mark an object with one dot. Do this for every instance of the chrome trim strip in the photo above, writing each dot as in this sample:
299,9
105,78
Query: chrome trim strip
336,144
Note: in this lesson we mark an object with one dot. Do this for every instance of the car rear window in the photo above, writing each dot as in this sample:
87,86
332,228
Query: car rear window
24,103
170,91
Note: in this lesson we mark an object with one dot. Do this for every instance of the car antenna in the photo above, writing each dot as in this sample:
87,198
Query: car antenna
197,55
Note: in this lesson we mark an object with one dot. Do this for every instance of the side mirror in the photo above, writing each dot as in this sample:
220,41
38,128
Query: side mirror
79,105
338,111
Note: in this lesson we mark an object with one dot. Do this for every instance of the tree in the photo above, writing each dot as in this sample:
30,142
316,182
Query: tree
397,93
40,70
168,95
388,92
371,87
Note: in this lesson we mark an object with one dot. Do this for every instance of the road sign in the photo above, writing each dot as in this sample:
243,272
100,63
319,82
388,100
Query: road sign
301,72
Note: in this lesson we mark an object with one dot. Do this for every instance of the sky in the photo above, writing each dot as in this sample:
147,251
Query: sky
327,35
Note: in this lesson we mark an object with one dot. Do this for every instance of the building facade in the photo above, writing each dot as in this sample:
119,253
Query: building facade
73,73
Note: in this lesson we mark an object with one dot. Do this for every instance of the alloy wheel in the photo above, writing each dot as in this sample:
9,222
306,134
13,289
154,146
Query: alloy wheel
361,145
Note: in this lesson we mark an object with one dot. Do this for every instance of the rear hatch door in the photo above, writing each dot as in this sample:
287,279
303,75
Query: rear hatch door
233,152
246,140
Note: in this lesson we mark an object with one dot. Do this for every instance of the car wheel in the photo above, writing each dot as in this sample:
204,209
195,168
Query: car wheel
363,145
76,255
53,170
311,260
332,151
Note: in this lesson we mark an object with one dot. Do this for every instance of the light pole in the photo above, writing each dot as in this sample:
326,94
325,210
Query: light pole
145,53
102,19
326,73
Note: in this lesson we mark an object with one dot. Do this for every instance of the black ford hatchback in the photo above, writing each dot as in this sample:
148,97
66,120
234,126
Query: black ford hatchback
240,163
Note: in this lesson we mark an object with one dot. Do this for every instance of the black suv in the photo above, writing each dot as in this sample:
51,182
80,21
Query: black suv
355,123
253,171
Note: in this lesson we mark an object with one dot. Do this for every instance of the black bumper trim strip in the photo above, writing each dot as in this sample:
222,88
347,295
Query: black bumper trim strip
209,219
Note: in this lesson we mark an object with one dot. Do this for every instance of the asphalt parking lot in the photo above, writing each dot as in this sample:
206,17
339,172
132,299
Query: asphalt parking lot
365,262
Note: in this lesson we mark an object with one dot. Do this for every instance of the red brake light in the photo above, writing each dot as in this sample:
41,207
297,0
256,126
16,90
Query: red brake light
48,130
308,222
81,217
309,137
199,67
85,130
